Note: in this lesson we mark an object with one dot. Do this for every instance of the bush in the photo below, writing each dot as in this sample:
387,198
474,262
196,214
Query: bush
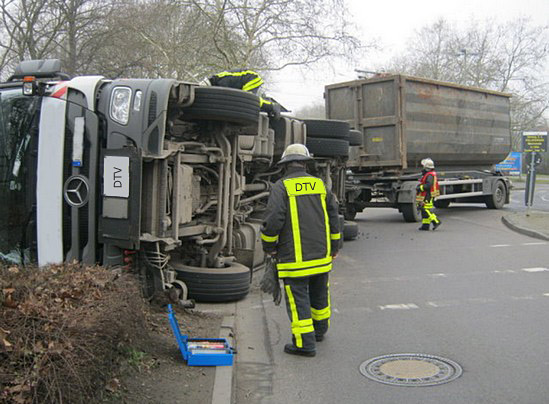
63,330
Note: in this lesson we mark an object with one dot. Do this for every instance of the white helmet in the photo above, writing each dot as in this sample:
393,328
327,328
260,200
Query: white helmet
295,152
427,163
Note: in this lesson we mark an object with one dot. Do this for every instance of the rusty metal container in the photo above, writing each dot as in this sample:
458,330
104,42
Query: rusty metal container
405,119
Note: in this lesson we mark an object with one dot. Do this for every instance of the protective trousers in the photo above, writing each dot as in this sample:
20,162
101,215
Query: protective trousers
308,306
427,216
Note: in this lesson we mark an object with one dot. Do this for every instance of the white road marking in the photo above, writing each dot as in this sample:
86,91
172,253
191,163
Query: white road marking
406,306
505,271
546,294
538,243
535,269
500,245
437,275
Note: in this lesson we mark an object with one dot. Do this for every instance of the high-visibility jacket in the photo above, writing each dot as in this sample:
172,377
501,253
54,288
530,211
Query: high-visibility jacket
301,225
246,80
428,187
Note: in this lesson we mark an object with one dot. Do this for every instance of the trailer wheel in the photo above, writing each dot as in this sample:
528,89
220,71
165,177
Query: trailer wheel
442,204
350,230
330,129
497,199
223,104
215,284
321,147
355,138
411,212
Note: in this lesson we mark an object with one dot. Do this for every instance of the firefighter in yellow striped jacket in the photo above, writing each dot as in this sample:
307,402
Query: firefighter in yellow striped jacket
246,80
301,229
427,191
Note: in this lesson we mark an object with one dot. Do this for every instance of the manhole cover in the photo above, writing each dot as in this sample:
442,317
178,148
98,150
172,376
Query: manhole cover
411,369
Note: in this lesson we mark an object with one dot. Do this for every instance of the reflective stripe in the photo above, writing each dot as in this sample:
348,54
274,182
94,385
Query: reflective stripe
329,300
335,236
295,318
322,314
264,101
269,239
296,273
250,85
327,224
295,229
242,73
304,264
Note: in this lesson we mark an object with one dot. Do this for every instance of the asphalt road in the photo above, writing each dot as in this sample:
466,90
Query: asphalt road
473,291
541,197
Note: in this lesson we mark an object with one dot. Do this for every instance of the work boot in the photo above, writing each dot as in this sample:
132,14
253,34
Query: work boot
319,337
293,350
436,224
424,226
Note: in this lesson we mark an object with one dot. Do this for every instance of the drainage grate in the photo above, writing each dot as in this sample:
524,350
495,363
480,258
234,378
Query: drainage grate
411,370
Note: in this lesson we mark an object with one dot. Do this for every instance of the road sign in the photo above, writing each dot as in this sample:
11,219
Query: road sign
534,142
512,165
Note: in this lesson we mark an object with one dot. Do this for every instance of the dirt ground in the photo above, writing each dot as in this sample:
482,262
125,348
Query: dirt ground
158,374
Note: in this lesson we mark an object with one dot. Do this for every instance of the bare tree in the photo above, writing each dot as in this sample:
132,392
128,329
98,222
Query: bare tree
508,57
274,34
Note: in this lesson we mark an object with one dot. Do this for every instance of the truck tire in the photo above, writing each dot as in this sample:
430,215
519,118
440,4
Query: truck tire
223,104
410,212
215,284
355,138
321,147
324,128
442,204
350,230
350,211
498,197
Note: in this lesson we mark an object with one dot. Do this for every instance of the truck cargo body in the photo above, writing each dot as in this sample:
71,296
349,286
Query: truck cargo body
403,120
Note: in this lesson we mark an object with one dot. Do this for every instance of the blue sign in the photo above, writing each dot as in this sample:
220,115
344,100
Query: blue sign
512,165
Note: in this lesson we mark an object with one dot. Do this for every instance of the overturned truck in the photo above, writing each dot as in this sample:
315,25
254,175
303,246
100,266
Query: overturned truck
162,177
401,120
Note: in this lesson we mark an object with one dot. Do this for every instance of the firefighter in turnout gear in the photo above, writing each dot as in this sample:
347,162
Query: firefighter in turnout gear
301,230
246,80
427,191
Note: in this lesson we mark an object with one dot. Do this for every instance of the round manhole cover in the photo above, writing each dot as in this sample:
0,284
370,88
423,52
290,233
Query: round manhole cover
411,369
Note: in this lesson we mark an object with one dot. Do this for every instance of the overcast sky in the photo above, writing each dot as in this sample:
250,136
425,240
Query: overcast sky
391,23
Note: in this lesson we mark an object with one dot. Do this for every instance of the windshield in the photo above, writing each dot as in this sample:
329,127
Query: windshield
18,144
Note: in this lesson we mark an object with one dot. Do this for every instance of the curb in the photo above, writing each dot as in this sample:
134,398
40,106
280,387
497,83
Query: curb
223,383
523,230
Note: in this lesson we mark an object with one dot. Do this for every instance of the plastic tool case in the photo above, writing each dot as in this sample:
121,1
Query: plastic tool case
201,351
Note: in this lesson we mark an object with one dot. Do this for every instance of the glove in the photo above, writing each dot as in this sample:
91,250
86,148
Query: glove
269,283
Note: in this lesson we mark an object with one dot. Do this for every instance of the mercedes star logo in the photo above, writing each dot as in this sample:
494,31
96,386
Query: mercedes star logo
76,191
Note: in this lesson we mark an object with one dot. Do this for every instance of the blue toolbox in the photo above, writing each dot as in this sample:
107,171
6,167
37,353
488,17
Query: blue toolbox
201,351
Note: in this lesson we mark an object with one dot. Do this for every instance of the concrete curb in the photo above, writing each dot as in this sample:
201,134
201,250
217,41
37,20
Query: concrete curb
223,383
523,230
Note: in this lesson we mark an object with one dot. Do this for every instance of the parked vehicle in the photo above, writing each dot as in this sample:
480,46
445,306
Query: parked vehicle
159,176
401,120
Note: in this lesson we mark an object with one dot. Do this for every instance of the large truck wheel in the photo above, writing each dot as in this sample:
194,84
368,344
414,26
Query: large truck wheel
350,212
411,212
324,128
223,104
442,204
321,147
215,284
497,199
350,230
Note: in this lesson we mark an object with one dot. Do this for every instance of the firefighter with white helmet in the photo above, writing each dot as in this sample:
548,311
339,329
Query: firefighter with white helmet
301,229
427,191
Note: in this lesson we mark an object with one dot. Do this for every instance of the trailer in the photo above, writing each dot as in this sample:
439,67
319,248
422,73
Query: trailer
403,119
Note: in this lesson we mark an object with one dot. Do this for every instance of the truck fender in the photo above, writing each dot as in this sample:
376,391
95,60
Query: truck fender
407,192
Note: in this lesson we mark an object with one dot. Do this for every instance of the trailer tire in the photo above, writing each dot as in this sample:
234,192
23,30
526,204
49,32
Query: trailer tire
215,284
223,104
350,230
355,138
410,212
325,128
442,204
498,197
321,147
